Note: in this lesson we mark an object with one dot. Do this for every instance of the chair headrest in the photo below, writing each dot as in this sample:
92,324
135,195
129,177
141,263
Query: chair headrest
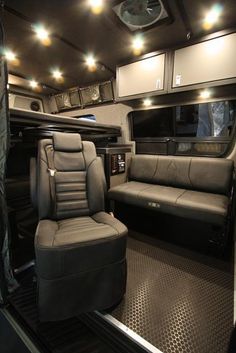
66,142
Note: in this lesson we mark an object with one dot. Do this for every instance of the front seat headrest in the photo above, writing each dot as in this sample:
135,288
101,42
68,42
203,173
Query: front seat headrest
65,142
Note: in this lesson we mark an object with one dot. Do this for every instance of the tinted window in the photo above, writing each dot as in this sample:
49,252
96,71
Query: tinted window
214,119
204,120
191,130
153,123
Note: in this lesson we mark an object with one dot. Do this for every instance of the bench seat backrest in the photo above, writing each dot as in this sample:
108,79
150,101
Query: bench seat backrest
195,173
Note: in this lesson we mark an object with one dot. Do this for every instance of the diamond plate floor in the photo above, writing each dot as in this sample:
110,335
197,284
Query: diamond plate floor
179,301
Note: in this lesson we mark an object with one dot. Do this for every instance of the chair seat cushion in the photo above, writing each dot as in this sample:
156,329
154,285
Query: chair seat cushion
75,245
197,205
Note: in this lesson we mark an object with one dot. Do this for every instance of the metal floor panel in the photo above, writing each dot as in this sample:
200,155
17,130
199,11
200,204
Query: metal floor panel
10,341
179,301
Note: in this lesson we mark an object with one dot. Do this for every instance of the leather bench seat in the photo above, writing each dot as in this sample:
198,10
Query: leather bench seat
190,187
185,203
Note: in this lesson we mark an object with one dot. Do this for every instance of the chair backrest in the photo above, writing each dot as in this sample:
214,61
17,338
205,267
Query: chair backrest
71,180
195,173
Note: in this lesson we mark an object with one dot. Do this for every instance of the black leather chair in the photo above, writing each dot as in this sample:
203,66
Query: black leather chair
80,249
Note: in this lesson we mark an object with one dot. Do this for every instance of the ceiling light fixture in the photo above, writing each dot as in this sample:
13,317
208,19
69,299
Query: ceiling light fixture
33,84
42,34
57,75
205,94
147,102
90,62
9,55
137,45
96,6
212,16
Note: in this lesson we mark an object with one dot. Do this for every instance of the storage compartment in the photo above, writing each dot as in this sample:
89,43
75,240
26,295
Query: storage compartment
140,77
210,61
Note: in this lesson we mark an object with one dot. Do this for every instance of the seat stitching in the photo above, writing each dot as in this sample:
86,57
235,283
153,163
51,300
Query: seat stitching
83,272
189,168
108,225
54,235
145,188
157,163
179,196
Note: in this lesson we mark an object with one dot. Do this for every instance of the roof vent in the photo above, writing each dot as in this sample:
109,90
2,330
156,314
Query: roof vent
140,14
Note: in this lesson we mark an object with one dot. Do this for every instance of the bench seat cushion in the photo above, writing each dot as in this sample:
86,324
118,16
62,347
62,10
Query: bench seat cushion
197,205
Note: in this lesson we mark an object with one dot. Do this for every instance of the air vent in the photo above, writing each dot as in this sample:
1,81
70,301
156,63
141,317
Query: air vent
140,14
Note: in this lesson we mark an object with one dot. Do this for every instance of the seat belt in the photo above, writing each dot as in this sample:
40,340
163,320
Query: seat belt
52,171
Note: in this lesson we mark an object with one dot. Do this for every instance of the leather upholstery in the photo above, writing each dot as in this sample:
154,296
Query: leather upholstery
197,205
196,188
69,143
80,249
79,181
76,241
194,173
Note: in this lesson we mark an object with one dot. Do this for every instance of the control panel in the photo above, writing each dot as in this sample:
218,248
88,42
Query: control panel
117,163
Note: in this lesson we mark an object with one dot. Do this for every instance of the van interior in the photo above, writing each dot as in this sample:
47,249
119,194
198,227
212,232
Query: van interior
117,176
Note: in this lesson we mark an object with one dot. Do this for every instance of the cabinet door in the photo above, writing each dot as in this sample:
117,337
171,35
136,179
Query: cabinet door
143,76
209,61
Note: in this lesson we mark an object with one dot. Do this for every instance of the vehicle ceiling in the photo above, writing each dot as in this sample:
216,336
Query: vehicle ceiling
72,21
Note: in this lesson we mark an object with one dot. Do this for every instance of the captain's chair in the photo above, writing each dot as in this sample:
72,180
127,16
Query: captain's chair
80,249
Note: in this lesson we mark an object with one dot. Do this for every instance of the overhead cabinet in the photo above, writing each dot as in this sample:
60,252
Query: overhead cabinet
210,61
140,77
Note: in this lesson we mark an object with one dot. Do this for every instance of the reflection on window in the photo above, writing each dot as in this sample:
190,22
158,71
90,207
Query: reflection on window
215,119
205,120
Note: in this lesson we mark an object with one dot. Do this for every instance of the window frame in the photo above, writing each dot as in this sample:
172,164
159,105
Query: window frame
176,139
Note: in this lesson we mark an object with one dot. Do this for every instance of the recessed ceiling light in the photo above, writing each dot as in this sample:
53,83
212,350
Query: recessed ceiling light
33,84
57,74
147,102
96,6
42,34
137,45
212,16
90,62
205,94
9,55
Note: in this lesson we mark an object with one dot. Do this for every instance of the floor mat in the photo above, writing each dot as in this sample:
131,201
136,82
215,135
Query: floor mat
179,301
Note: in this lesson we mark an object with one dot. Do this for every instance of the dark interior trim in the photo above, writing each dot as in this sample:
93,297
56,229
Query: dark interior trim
55,35
185,19
26,78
